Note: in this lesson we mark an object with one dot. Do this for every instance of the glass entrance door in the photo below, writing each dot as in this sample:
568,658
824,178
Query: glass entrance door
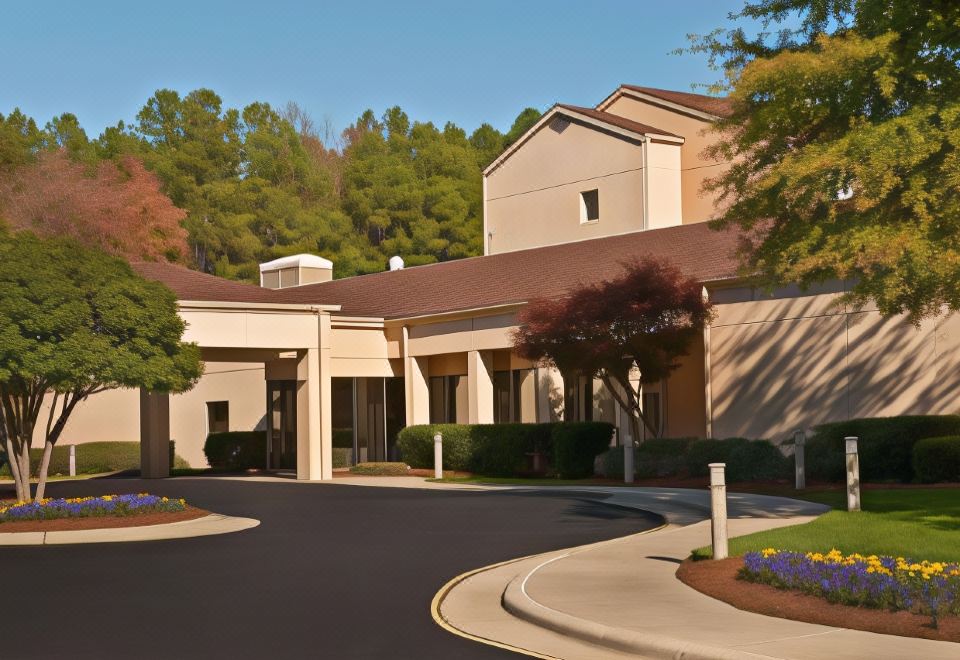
282,434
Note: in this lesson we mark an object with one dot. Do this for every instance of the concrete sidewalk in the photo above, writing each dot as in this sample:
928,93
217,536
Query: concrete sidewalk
622,597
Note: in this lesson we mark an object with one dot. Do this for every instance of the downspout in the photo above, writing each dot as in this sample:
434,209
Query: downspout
646,184
407,374
707,375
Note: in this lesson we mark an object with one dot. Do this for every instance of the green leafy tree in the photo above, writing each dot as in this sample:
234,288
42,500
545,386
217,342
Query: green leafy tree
524,122
20,140
844,141
412,190
75,322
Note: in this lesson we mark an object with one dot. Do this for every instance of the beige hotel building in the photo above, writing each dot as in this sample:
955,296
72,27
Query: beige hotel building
333,369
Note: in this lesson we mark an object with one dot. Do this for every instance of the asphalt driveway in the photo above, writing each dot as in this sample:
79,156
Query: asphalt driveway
332,572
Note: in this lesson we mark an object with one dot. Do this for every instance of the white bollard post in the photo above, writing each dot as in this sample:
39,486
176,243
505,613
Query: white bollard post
628,468
438,456
853,474
73,460
799,441
718,510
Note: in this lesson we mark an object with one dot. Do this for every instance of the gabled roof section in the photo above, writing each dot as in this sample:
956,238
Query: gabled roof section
698,105
510,278
591,118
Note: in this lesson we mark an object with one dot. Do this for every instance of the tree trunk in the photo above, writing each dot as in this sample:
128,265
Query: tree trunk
44,467
635,429
25,466
13,458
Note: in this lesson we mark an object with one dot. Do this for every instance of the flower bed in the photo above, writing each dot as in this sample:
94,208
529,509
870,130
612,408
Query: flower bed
87,507
893,583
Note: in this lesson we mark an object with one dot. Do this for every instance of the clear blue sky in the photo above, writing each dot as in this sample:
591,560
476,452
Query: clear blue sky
467,62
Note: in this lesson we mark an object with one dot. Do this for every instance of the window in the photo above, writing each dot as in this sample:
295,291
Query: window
501,397
218,416
590,206
508,395
443,399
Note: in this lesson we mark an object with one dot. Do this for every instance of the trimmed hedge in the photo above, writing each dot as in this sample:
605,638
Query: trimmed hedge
92,458
747,460
937,459
757,460
236,450
701,453
660,457
886,445
416,445
502,450
576,444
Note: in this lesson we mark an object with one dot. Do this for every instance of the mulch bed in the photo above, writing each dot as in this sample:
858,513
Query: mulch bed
103,522
718,579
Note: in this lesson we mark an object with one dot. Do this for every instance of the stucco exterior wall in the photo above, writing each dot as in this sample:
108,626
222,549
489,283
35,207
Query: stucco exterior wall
695,168
114,416
533,198
794,361
684,398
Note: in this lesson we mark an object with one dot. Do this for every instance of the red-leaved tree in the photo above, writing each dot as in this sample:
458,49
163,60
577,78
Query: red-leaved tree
116,207
627,331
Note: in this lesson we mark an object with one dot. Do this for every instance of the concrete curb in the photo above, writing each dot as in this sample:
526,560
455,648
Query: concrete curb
208,525
648,645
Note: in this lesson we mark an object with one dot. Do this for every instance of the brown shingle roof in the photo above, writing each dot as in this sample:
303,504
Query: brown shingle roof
714,105
513,277
194,285
616,120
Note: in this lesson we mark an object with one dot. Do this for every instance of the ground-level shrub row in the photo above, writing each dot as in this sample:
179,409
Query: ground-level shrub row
885,445
507,450
746,460
922,448
937,459
92,458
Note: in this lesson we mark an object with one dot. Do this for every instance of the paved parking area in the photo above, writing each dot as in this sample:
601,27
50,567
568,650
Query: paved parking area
332,571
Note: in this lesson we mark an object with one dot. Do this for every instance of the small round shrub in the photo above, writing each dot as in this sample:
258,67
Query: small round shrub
236,450
659,457
937,460
416,445
701,453
576,445
756,460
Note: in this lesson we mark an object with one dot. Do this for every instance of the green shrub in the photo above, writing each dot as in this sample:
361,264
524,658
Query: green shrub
700,453
381,469
236,450
885,446
937,459
576,445
416,445
756,460
659,457
92,458
502,450
496,450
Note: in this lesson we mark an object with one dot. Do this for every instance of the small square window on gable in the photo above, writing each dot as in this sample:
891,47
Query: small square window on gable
589,206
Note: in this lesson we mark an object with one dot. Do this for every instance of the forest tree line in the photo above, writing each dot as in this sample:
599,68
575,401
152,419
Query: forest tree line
222,189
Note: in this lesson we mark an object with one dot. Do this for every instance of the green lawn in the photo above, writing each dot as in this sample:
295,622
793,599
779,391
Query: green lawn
917,523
